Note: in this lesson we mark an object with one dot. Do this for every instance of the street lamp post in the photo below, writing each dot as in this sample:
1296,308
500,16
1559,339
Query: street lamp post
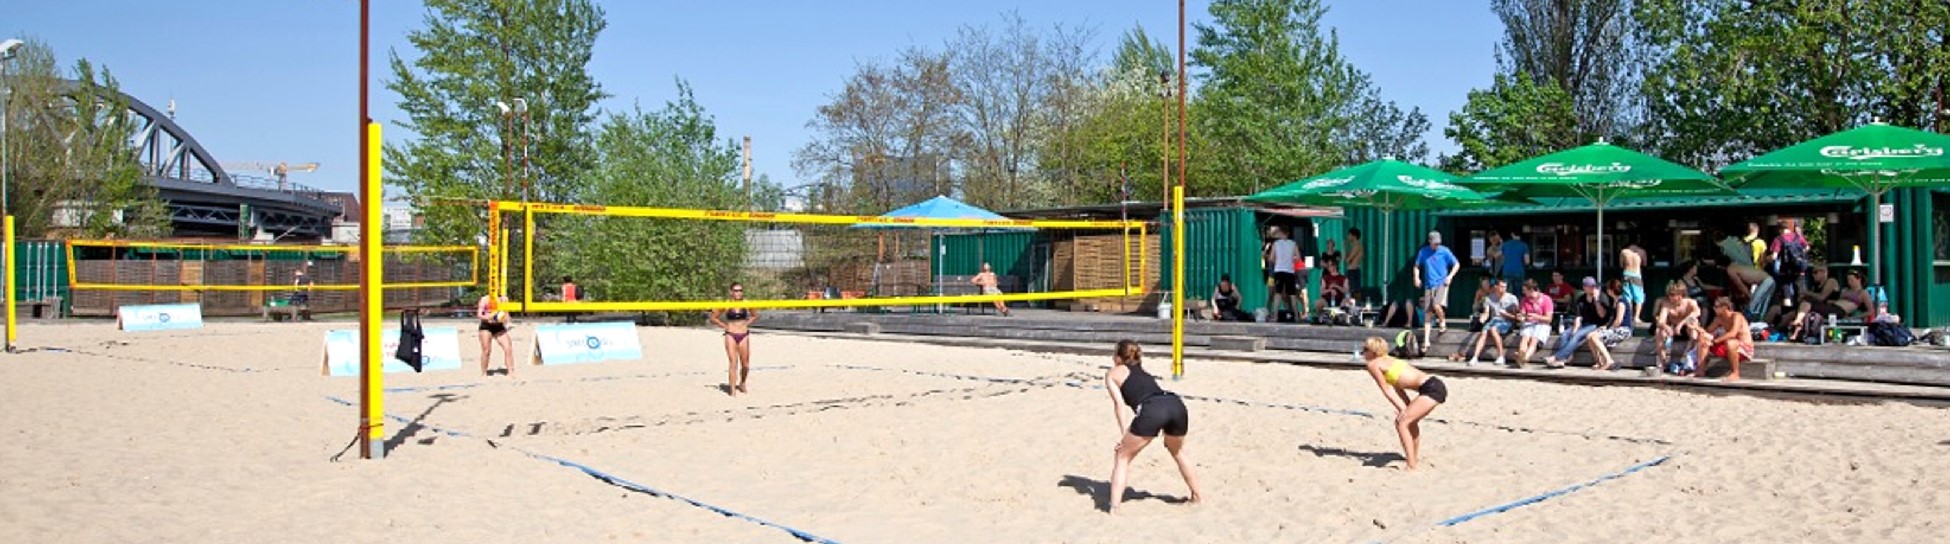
7,49
1164,155
519,106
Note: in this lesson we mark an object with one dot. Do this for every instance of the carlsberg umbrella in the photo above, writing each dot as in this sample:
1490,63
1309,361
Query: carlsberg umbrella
1873,158
1600,172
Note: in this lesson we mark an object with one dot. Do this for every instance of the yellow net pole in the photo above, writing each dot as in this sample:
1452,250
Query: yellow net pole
502,292
1144,256
1178,281
373,314
494,248
1125,264
12,319
528,257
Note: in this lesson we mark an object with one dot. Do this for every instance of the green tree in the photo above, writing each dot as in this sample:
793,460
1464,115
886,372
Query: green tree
1731,79
1513,120
672,157
1014,86
1583,47
884,140
70,161
1129,128
1138,53
1282,102
1913,41
473,54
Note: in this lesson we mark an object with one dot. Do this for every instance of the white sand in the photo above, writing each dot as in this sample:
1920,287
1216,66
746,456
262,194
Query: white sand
223,434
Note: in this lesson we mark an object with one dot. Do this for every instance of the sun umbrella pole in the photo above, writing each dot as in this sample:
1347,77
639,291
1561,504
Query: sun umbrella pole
1875,237
1387,252
1599,270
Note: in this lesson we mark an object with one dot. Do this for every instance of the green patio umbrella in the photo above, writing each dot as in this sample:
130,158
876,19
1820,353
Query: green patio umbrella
1601,173
1386,185
1873,158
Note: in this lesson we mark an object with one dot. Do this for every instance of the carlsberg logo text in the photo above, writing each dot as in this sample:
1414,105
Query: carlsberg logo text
1561,169
1867,153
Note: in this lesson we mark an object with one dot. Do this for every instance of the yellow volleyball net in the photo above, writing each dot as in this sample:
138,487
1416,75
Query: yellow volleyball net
646,259
241,278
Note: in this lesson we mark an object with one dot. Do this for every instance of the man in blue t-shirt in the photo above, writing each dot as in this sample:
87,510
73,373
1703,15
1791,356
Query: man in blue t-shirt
1436,267
1516,258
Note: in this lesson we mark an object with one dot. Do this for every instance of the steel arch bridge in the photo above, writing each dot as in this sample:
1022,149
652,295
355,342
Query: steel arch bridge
206,201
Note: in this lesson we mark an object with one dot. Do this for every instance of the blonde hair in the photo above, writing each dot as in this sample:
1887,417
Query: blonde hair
1375,345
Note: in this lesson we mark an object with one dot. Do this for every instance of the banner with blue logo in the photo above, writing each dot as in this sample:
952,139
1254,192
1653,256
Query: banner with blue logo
587,343
439,351
159,317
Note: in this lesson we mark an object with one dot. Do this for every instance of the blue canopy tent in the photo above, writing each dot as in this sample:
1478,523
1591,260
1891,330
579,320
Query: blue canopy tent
939,207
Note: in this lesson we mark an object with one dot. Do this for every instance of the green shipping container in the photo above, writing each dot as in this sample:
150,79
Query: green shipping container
41,271
1010,253
1391,242
1218,241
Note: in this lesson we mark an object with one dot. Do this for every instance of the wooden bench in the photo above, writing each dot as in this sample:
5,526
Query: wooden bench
964,286
45,308
1238,343
843,295
1768,369
280,310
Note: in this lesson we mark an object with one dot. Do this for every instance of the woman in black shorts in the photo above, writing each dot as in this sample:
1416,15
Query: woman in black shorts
1396,378
1153,409
494,329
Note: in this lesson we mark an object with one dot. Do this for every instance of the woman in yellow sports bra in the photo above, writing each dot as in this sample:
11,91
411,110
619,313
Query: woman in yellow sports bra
1396,378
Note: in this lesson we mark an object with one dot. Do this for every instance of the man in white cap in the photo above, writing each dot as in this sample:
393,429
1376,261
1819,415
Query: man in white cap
1435,267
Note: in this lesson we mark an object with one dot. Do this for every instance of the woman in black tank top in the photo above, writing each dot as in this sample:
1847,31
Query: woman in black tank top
1153,410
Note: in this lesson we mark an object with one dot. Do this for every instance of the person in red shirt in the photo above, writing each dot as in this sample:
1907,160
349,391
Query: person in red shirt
570,293
1559,291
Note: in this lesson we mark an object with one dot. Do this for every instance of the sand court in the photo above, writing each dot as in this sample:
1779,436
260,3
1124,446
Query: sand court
226,433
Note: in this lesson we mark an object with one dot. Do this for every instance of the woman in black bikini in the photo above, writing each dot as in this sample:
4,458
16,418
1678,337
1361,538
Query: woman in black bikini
1154,409
494,329
737,323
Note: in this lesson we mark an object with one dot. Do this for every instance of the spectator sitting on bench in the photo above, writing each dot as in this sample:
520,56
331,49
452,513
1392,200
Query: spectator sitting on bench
1696,288
1617,332
1677,320
1534,314
1499,317
1591,313
1333,292
1727,338
1822,298
301,293
1559,290
1226,299
987,282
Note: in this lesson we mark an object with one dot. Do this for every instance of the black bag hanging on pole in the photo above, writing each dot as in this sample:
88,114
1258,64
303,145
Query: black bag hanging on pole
410,337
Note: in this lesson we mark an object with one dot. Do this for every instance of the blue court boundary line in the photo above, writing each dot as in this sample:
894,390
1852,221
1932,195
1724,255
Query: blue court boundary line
1450,522
449,387
140,359
612,479
1534,499
1283,406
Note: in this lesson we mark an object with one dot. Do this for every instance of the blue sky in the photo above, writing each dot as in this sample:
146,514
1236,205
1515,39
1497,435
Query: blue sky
270,80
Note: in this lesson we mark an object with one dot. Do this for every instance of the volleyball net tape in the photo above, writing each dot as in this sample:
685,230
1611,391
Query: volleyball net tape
647,259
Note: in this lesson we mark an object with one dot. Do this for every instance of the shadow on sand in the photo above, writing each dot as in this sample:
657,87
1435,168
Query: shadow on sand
1099,491
414,427
1367,459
